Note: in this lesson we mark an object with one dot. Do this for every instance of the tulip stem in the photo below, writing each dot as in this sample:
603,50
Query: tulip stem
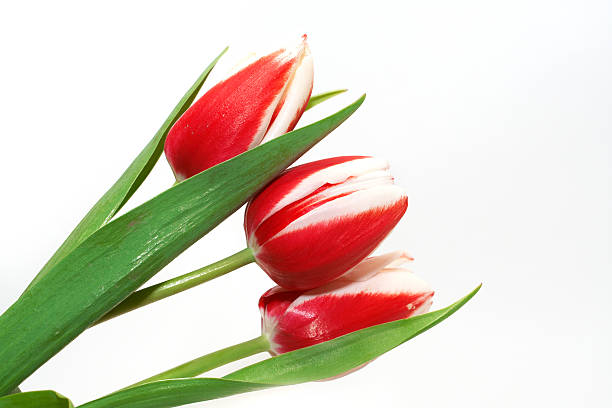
213,360
179,284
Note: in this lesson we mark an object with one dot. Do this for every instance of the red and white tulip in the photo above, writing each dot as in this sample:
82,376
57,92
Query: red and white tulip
318,220
259,102
374,292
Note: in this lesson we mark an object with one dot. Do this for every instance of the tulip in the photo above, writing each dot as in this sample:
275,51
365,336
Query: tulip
376,291
318,220
258,103
309,226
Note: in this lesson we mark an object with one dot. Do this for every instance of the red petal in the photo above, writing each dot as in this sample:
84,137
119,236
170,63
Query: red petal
285,216
260,206
275,301
327,317
312,256
226,120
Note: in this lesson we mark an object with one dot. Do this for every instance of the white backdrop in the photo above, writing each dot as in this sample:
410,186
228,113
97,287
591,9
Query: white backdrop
495,116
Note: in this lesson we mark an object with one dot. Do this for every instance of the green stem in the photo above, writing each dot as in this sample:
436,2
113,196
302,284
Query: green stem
179,284
213,360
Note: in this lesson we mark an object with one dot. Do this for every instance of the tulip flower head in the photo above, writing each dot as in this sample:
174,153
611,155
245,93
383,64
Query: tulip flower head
318,220
374,292
258,103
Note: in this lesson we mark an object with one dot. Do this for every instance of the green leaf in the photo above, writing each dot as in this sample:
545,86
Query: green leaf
35,399
335,357
173,393
318,362
125,253
112,201
317,99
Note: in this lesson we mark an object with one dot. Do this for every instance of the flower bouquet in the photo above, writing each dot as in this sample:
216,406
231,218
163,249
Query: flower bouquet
311,229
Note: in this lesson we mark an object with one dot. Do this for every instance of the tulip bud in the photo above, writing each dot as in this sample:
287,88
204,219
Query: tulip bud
374,292
259,102
318,220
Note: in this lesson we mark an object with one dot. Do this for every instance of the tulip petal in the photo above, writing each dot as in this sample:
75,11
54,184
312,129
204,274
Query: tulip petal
275,301
295,98
347,206
373,265
341,307
308,257
231,117
319,220
388,281
302,181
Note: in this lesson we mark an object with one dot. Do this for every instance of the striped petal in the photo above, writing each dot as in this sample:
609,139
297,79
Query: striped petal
296,319
319,220
371,266
235,115
293,103
295,184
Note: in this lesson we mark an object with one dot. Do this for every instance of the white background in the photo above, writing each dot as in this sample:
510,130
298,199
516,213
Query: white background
495,116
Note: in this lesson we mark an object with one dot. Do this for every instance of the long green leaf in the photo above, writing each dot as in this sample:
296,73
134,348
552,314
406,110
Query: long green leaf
35,399
112,201
173,393
318,362
330,359
116,197
125,253
322,97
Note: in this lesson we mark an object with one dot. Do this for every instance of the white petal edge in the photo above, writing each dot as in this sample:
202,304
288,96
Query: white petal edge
389,281
332,175
296,95
346,207
374,264
265,122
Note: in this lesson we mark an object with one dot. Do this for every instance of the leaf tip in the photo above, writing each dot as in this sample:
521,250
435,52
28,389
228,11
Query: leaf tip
361,99
473,292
